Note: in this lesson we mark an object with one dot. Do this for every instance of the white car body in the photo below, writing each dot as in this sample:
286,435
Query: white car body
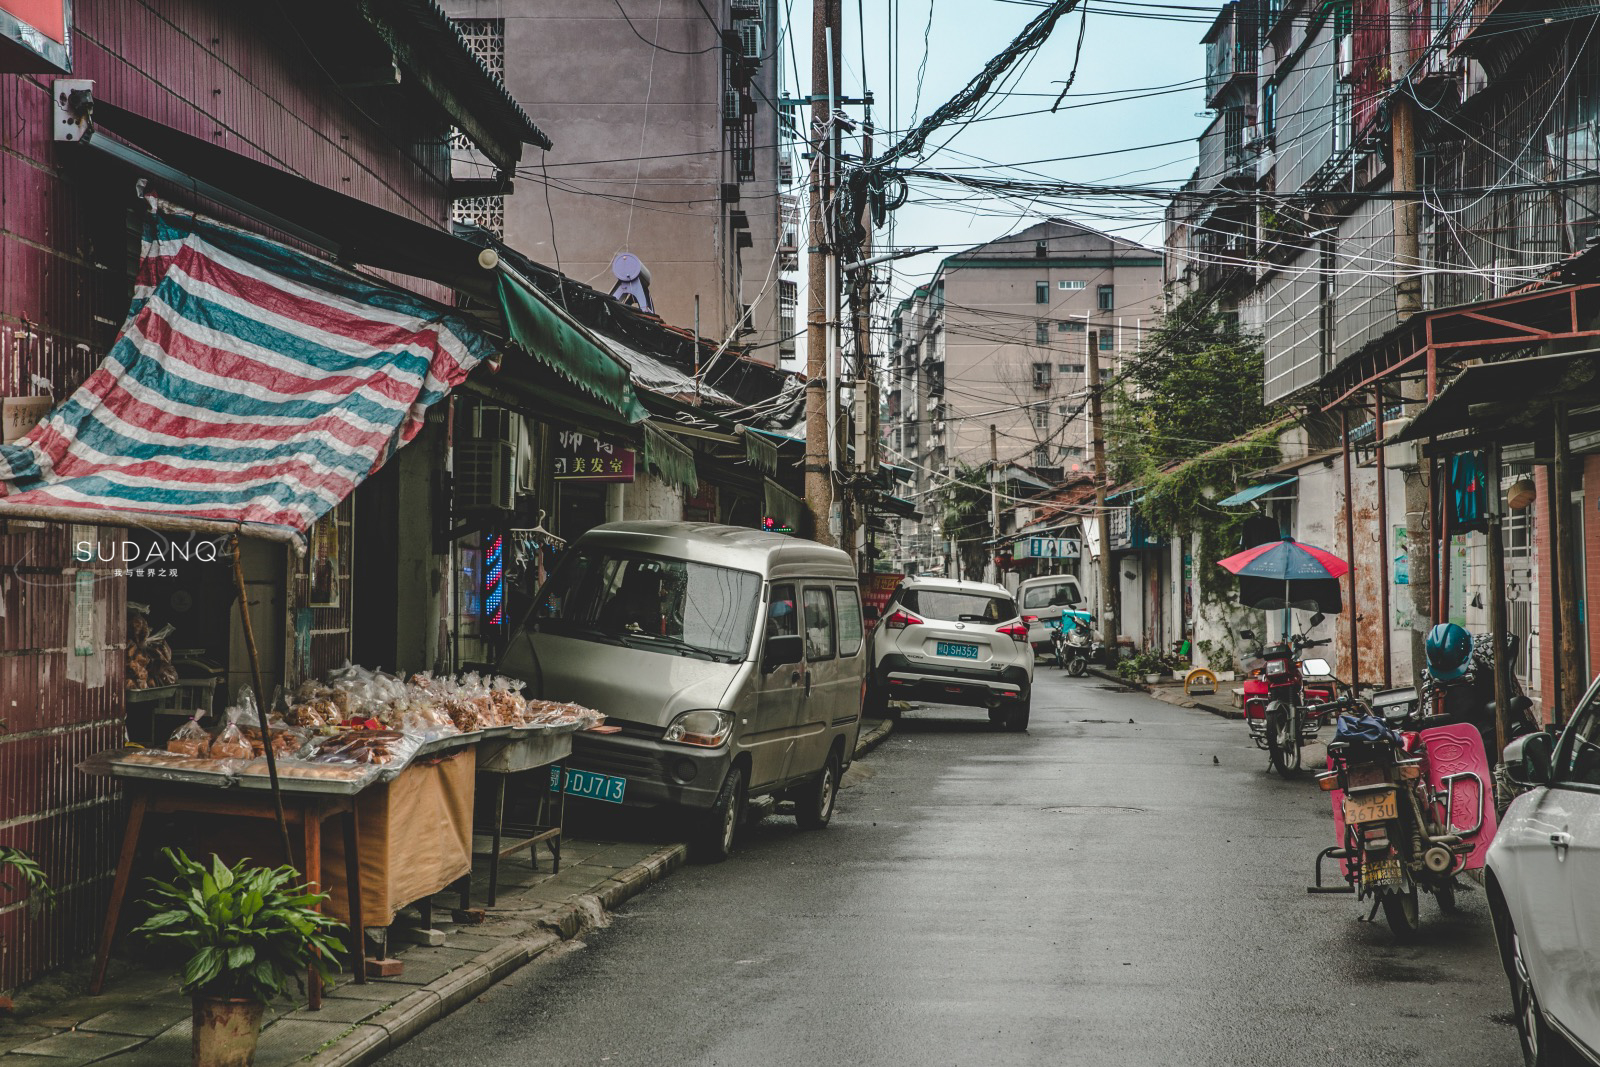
1544,894
952,642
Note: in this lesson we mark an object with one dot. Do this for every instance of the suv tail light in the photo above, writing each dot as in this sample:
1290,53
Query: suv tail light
1017,631
901,619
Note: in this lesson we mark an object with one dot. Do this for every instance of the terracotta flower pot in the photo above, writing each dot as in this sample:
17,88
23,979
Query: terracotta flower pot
225,1031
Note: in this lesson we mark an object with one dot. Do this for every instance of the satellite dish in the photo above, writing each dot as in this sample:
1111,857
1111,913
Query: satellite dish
633,281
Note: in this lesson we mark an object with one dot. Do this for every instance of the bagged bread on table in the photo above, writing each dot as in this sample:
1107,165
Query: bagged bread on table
190,739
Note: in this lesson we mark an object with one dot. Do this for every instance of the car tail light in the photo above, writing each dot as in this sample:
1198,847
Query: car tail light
901,619
1017,631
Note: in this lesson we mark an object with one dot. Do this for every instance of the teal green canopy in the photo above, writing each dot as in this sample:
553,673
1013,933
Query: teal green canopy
545,335
672,461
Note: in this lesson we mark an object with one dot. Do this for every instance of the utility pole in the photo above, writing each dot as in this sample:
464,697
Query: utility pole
994,501
1407,302
819,269
1108,576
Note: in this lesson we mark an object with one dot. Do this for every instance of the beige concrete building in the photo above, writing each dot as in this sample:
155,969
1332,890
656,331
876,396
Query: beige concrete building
665,121
1000,338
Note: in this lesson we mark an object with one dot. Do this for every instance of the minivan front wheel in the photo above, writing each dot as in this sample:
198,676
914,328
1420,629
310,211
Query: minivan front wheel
713,841
813,802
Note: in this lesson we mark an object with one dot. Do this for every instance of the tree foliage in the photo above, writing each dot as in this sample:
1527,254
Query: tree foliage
1188,423
964,518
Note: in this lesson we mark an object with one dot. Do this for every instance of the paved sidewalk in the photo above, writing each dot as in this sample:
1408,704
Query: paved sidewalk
1171,692
143,1021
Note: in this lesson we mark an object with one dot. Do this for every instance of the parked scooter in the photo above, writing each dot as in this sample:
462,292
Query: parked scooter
1075,643
1278,698
1412,805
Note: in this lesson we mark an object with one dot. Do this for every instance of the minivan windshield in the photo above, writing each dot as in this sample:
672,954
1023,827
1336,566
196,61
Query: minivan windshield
953,605
1050,595
650,602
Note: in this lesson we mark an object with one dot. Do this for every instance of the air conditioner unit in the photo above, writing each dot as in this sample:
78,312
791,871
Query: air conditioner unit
750,39
486,461
1345,62
486,475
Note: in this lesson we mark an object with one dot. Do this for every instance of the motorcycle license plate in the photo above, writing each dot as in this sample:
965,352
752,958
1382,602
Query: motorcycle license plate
1381,872
1370,807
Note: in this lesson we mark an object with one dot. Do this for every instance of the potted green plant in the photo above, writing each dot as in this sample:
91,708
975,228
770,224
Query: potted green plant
250,931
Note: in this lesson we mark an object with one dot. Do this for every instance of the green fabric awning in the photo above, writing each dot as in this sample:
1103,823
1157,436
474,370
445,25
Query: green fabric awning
541,331
784,506
760,453
674,462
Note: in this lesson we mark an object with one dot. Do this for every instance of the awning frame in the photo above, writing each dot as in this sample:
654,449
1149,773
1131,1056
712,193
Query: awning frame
1245,496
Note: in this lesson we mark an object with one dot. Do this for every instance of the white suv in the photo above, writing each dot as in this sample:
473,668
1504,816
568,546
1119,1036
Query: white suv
950,642
1544,872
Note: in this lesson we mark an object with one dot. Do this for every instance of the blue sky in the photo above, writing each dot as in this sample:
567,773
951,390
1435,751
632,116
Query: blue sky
1120,54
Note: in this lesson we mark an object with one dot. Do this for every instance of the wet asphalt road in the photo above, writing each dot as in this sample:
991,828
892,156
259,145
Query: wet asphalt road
1095,891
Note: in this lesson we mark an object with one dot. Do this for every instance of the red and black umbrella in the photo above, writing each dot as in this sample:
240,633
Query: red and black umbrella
1286,573
1287,561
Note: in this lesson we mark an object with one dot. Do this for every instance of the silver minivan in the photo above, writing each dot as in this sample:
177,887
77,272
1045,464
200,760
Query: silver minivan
731,659
1042,600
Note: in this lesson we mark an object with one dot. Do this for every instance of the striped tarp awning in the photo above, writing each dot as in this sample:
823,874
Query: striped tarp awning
250,384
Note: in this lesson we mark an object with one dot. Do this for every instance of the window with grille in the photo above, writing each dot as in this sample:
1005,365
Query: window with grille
1041,292
487,211
1041,332
1041,374
1107,341
788,304
1041,418
1108,298
1041,456
487,39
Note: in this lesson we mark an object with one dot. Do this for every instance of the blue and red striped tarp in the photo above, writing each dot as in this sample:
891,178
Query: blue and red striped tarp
251,383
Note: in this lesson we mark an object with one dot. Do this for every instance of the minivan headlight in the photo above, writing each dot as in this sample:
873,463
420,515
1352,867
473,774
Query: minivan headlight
705,729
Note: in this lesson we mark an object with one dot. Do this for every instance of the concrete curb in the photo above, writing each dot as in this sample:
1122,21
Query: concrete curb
368,1041
872,739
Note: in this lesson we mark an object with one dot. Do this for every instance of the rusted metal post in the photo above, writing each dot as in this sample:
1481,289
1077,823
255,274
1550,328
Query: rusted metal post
1497,598
1570,664
261,706
1383,536
1350,546
1552,508
1442,491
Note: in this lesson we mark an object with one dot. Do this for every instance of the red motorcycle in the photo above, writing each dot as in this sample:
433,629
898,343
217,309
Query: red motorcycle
1280,701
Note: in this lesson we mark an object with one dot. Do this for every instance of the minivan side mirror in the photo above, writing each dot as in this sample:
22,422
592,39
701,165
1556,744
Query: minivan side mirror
1529,759
781,649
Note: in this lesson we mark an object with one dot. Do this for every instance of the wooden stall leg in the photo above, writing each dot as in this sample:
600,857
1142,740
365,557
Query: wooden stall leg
352,892
495,833
119,890
312,825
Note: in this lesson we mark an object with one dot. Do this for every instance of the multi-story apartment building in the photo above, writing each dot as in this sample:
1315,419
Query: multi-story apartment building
668,127
989,359
1291,219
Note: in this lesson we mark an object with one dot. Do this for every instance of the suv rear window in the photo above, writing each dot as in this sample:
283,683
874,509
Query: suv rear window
954,606
1053,595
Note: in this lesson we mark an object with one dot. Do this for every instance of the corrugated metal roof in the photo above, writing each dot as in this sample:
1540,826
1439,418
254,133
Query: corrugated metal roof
658,376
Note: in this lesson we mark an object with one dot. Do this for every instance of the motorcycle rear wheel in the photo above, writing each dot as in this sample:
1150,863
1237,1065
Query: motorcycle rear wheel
1283,745
1400,909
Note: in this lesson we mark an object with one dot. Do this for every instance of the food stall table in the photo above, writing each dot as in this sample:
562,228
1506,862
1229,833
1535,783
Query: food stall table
525,751
416,835
306,810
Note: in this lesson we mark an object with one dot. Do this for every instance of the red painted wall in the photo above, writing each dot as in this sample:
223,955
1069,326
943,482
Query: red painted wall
230,73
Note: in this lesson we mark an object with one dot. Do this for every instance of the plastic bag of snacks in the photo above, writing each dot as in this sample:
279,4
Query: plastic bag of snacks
230,743
505,697
190,739
388,750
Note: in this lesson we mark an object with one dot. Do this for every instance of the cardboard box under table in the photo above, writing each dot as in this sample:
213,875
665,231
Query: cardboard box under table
414,836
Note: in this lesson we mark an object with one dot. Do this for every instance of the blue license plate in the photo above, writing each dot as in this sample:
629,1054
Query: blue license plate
590,785
959,651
